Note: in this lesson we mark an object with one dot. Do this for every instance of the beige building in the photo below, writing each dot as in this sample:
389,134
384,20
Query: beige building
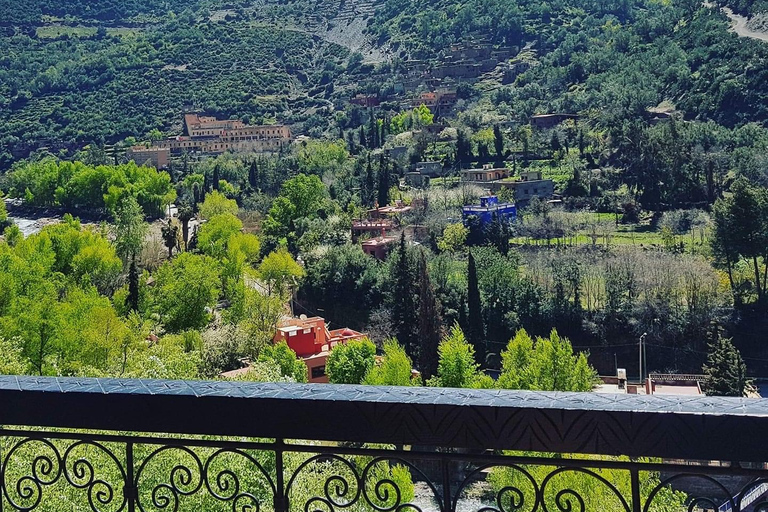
487,174
211,135
158,157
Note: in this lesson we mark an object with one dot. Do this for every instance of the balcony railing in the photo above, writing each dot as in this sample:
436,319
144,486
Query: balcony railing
114,445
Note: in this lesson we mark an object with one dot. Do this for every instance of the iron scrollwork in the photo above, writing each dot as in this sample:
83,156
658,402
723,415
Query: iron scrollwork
116,474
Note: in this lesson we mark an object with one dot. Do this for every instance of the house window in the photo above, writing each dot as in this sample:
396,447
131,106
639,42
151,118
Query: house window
292,333
318,372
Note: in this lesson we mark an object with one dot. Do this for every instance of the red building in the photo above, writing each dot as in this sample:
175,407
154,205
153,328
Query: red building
312,341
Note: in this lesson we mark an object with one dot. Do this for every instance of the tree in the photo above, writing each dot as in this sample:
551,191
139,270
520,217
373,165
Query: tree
129,229
335,275
454,238
11,358
300,197
185,214
369,185
498,144
350,362
170,234
285,359
133,287
279,270
213,236
741,230
497,234
258,321
395,368
216,178
217,203
12,235
187,288
430,322
456,367
476,329
96,262
253,175
3,212
725,371
404,316
384,182
546,364
463,147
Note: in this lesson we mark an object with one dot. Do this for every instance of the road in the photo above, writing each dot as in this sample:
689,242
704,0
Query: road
739,24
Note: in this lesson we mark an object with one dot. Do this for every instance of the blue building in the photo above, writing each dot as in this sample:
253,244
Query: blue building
490,206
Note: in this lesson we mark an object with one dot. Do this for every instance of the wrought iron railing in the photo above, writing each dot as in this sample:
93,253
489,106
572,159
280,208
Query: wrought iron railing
115,445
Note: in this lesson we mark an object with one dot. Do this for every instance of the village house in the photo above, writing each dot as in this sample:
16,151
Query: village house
488,209
379,247
311,340
529,185
157,157
487,174
361,227
436,99
423,172
366,100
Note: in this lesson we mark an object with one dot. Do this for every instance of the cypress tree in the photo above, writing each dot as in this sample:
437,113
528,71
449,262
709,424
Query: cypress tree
363,142
216,178
253,175
383,196
404,317
369,185
498,143
133,286
497,234
725,371
430,322
476,331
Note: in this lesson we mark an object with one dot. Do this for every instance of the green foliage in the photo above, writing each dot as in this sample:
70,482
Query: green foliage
214,235
476,329
411,120
343,281
545,364
12,235
349,363
454,238
11,358
279,270
129,229
300,197
725,371
457,367
403,298
592,489
186,289
319,156
430,329
741,231
286,360
77,185
395,368
217,203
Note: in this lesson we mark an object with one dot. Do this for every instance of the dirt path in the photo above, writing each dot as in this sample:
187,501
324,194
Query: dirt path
739,25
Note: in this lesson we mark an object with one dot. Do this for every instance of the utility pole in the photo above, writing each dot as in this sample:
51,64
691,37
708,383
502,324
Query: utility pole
641,352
